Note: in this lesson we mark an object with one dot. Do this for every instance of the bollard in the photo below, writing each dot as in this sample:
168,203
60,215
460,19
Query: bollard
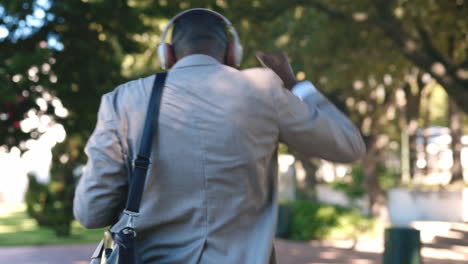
402,246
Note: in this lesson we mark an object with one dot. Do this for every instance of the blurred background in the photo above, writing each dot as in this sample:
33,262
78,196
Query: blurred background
397,68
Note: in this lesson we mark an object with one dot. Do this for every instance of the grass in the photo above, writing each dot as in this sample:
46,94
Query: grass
18,229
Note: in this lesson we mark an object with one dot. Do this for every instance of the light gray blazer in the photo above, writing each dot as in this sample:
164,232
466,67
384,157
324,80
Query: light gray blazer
211,194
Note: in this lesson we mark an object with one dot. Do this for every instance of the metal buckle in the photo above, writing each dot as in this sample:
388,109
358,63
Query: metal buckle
131,215
141,162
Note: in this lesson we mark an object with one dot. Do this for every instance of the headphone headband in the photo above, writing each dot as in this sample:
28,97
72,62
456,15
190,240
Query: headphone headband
225,20
237,45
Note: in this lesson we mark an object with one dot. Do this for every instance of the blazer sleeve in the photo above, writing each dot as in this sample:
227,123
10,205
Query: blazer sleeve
314,127
102,189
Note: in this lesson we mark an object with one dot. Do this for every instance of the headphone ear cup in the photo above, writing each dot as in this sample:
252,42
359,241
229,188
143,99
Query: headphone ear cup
166,56
238,50
230,55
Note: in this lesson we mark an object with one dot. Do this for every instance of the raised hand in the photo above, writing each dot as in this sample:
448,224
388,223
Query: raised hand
278,62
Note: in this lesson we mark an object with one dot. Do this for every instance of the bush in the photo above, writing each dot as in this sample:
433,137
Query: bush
51,204
354,188
317,221
388,178
36,199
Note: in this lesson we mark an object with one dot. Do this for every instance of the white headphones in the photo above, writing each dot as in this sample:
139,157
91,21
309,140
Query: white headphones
234,51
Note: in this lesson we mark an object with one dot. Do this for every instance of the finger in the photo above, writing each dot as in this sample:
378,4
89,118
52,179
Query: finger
260,55
261,58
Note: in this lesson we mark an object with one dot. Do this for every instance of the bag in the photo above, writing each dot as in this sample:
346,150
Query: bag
120,247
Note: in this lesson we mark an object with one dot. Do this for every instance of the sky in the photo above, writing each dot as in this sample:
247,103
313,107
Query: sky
31,24
37,158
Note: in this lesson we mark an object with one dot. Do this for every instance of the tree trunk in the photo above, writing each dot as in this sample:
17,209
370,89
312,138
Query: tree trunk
413,114
375,192
413,154
405,157
306,188
425,133
409,126
456,133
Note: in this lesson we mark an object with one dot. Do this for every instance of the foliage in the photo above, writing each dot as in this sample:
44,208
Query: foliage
86,63
35,198
430,35
387,178
318,221
354,187
18,229
93,38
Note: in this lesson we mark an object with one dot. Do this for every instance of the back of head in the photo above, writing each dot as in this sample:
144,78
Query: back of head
199,31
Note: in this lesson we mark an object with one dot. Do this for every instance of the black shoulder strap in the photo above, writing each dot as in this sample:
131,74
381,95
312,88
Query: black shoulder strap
140,165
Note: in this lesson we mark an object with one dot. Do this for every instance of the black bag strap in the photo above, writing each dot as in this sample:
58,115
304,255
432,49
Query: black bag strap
141,163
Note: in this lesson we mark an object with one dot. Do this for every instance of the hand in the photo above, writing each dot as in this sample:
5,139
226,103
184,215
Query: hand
278,62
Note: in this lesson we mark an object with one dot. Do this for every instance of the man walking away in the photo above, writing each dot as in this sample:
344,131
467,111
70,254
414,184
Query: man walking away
211,192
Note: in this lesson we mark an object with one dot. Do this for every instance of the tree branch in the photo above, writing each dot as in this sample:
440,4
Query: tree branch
430,48
424,58
420,51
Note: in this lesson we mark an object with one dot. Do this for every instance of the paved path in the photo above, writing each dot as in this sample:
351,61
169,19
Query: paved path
70,254
288,252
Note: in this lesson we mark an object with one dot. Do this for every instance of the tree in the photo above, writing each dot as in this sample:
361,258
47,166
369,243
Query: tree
421,31
426,33
429,39
91,39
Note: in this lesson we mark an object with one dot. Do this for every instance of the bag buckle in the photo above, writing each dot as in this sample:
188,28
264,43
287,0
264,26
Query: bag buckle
131,215
141,162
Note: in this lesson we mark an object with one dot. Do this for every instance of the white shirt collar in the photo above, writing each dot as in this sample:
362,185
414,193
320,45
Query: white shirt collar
195,60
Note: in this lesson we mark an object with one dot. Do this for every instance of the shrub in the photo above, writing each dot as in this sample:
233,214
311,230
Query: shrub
388,178
354,187
51,204
317,221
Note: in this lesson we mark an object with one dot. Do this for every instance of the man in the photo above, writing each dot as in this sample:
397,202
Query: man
211,194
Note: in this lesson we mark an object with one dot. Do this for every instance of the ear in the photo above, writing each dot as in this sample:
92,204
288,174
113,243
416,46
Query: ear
230,55
170,56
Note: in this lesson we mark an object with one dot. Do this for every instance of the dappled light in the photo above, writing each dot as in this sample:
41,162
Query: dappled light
11,220
397,69
463,74
360,16
438,68
358,85
410,46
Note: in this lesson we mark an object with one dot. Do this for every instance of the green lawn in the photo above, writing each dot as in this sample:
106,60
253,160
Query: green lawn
17,228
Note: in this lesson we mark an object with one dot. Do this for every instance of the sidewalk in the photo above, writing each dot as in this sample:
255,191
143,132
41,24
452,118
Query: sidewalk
69,254
442,251
287,252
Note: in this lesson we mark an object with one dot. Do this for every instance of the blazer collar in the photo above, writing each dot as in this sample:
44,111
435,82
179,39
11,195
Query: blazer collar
195,60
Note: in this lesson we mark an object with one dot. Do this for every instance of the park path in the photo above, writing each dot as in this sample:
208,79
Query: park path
444,250
287,252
